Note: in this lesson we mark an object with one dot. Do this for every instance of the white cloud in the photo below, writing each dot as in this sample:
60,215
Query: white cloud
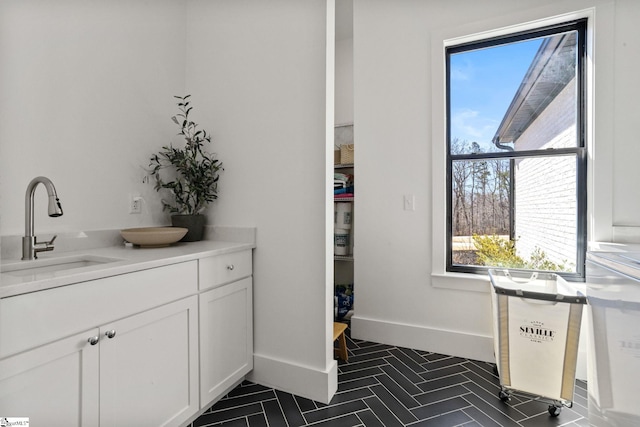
470,125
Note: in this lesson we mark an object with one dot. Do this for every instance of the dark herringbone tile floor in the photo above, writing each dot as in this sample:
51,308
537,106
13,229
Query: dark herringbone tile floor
390,386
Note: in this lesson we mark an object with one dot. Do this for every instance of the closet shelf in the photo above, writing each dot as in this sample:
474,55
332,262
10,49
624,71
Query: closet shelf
343,166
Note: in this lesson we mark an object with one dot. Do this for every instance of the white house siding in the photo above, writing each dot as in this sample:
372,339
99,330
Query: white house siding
545,188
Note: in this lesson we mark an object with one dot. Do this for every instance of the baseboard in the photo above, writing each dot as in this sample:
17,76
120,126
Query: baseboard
302,381
453,343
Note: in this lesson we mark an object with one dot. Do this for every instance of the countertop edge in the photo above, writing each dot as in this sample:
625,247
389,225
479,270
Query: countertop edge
129,260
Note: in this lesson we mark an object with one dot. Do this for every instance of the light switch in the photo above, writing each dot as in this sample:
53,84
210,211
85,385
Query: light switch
135,204
409,202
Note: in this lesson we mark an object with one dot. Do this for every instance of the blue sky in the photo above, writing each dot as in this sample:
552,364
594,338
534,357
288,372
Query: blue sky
483,83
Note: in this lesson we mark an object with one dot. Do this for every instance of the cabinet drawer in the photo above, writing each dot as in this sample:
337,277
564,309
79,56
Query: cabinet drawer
29,320
220,269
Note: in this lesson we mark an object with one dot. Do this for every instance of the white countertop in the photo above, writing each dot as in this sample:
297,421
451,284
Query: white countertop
126,260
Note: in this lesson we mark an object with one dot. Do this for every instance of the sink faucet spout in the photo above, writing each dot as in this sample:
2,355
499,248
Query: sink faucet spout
30,245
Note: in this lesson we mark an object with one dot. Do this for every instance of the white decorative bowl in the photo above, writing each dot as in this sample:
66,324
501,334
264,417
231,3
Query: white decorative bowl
153,237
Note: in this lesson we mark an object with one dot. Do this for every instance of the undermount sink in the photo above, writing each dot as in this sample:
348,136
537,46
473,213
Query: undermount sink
53,265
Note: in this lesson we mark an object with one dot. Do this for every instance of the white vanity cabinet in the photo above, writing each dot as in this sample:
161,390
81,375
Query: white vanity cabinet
149,347
226,323
146,374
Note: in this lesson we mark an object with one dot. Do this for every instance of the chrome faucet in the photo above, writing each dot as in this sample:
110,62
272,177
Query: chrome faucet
30,245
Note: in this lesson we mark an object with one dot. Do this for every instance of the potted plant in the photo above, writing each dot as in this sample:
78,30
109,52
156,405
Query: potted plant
191,174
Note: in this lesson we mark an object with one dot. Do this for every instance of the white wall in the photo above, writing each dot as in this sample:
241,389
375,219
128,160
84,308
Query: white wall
401,296
624,132
344,81
344,62
86,95
259,71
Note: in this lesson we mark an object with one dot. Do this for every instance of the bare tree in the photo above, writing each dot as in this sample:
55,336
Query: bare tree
480,193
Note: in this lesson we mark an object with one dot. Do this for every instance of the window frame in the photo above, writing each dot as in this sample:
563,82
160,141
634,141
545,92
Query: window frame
579,150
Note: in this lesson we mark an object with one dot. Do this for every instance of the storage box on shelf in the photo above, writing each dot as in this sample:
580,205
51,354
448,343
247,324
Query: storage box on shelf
347,154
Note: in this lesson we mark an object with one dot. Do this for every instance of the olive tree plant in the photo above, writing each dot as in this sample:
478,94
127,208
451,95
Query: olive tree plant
189,173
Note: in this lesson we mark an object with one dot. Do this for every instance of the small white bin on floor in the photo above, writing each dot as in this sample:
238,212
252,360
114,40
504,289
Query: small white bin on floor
536,327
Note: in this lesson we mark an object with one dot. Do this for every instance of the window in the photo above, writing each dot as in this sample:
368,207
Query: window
516,156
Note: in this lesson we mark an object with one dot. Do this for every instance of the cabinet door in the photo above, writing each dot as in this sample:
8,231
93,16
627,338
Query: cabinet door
149,368
56,384
226,338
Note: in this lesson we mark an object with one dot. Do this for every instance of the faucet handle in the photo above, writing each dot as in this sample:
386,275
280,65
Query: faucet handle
46,243
43,246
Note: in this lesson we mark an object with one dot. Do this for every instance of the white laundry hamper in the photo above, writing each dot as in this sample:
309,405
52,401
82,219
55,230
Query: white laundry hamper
536,325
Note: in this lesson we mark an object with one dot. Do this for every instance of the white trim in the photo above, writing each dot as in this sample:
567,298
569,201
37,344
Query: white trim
453,343
599,197
296,379
325,386
521,27
626,234
600,120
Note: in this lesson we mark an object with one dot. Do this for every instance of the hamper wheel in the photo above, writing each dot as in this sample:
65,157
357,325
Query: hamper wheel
504,396
554,411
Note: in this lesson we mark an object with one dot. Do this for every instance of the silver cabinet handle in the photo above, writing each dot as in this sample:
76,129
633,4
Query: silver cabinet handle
93,340
110,334
230,267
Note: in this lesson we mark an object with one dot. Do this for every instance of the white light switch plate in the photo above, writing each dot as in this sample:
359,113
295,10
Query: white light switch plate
409,202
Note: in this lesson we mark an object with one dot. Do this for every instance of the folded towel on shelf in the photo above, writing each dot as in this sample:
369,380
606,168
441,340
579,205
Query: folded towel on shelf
343,190
343,196
342,176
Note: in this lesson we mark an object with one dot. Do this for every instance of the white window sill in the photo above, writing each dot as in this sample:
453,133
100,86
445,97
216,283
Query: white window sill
461,281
